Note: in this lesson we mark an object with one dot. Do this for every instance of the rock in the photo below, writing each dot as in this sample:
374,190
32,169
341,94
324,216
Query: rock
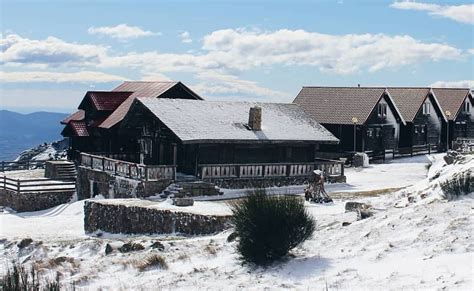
232,237
364,213
355,206
24,243
158,245
345,223
183,202
451,157
360,160
137,247
108,249
126,248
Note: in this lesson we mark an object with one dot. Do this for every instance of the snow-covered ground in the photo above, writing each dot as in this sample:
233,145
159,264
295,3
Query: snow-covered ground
427,244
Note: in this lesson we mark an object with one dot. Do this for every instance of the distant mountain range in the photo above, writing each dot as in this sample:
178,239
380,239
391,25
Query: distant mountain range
19,132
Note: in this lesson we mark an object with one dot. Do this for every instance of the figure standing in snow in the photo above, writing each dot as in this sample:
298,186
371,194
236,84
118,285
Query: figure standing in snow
315,191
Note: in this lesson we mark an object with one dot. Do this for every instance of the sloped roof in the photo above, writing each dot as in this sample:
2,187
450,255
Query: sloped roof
451,99
408,100
79,128
338,105
78,115
105,100
195,121
143,89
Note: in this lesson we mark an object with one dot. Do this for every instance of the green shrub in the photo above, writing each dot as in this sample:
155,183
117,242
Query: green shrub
268,227
460,184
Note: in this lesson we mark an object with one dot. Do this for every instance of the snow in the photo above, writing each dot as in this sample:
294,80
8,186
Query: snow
214,121
426,244
199,207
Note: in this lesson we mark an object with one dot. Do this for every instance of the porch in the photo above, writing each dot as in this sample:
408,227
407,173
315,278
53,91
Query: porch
333,170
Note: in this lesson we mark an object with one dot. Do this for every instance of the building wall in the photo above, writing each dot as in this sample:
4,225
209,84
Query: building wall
381,133
463,126
425,129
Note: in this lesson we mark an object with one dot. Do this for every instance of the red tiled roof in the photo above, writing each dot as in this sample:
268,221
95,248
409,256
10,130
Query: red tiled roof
338,105
143,89
105,100
78,115
79,128
408,100
451,99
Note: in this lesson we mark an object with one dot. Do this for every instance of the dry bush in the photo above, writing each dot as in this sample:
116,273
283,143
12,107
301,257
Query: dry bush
151,261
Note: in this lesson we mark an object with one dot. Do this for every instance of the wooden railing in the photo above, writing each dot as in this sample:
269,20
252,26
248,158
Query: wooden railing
402,152
129,170
330,168
122,156
36,185
16,166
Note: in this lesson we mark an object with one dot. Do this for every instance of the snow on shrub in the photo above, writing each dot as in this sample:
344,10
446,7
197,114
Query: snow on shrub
459,184
268,227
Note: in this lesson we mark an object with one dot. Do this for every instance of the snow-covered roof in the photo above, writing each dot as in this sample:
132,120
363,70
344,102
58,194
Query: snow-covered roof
194,121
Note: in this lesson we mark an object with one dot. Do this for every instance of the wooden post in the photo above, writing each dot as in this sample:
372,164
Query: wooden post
288,169
175,154
429,149
18,186
28,164
3,166
103,164
342,169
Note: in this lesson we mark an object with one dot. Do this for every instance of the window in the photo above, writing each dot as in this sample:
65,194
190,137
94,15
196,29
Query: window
467,107
416,129
370,132
382,110
426,108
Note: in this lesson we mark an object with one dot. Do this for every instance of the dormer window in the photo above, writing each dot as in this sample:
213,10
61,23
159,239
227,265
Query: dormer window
382,110
426,108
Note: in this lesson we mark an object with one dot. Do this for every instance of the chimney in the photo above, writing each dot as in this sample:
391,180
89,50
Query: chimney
255,118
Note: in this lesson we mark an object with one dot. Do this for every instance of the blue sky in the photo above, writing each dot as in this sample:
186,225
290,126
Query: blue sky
54,51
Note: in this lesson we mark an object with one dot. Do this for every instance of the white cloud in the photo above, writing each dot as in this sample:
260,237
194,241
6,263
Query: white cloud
222,85
121,32
471,51
51,51
454,84
58,77
460,13
185,37
342,54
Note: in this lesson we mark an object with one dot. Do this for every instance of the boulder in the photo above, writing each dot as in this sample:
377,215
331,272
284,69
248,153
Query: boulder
130,247
345,223
157,245
108,249
355,206
183,202
232,237
24,243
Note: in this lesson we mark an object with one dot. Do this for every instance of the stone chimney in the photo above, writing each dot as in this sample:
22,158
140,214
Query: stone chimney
255,118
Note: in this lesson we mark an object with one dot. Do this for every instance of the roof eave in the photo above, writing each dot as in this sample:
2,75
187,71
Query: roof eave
439,105
395,106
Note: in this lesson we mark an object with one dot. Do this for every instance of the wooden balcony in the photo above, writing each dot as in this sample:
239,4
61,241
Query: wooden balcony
331,169
128,169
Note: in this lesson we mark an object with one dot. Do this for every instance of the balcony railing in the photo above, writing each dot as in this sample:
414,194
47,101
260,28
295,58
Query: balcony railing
330,168
127,169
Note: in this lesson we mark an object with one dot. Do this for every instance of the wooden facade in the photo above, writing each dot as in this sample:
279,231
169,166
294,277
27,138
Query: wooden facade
158,145
425,127
95,127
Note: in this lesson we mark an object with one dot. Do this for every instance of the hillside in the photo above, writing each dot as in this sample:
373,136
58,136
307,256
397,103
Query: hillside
19,132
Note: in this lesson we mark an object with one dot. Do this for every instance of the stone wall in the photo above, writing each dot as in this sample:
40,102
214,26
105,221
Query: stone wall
242,183
92,182
33,201
119,218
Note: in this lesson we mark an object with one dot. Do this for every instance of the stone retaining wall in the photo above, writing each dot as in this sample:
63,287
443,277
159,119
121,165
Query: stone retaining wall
117,218
242,183
33,201
92,182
